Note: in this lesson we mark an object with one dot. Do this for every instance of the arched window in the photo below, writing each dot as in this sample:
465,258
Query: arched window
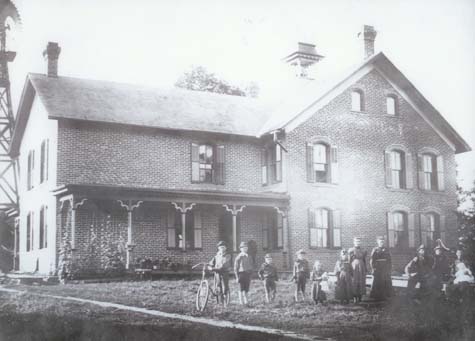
430,228
322,162
391,107
430,166
398,163
397,169
397,230
357,100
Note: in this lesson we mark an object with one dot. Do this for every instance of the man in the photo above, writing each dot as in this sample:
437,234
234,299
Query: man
419,270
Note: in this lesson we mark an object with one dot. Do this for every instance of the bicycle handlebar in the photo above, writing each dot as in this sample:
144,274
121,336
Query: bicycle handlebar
199,264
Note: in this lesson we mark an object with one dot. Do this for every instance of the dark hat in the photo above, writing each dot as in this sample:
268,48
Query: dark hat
421,247
243,244
268,255
380,238
221,243
301,251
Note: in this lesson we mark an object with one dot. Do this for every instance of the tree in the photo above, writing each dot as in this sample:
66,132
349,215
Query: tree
200,79
466,224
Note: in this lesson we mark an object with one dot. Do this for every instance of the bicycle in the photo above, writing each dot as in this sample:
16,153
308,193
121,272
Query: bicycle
205,289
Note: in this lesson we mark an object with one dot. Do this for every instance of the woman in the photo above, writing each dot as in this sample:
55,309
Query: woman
358,264
380,262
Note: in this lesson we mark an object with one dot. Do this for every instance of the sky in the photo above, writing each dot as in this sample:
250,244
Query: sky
153,42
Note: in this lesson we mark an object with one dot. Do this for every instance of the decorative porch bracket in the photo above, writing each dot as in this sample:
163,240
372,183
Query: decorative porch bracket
285,234
183,209
75,203
234,211
129,206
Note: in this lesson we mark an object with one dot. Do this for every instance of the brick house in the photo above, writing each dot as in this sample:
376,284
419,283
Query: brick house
169,173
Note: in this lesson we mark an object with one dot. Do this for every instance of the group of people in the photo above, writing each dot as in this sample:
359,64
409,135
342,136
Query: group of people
350,271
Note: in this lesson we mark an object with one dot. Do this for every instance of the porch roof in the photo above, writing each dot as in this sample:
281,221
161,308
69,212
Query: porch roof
270,199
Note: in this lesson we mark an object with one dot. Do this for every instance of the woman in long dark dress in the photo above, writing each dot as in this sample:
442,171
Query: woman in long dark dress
358,264
380,262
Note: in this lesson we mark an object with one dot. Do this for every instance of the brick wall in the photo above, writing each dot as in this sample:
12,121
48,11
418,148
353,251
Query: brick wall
96,153
361,194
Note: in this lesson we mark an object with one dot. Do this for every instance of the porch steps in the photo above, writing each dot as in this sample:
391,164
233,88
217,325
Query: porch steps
30,278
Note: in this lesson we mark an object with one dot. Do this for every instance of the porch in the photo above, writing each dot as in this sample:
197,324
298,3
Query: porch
98,225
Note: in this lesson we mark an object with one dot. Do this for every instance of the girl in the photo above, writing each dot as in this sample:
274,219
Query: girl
343,290
318,275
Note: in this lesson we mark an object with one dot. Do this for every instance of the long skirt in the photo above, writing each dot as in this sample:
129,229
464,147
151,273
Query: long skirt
343,290
382,287
359,277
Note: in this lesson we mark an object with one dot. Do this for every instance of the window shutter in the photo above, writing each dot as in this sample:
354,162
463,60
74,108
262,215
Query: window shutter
336,228
45,219
47,160
310,172
423,223
420,171
32,215
410,229
197,229
280,228
440,173
28,180
219,172
334,171
408,170
32,168
443,228
171,231
311,227
278,163
264,172
387,167
390,229
195,162
265,232
42,162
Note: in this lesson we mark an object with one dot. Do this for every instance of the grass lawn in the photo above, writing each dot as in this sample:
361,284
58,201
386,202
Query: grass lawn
395,320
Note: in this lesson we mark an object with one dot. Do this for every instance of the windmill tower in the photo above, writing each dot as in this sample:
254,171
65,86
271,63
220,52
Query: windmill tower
9,18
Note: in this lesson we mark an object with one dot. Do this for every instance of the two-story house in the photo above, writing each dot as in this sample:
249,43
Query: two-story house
169,173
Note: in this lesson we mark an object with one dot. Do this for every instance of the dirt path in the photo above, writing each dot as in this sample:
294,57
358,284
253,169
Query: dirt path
192,319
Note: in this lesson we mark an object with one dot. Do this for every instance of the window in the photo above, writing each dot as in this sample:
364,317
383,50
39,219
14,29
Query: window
431,172
271,164
44,161
273,227
391,105
398,230
398,169
357,100
29,231
30,169
324,226
43,227
322,163
207,163
193,229
430,230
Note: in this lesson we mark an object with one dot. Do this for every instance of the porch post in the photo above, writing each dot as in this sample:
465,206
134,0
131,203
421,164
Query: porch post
75,204
16,242
285,235
129,206
234,211
183,209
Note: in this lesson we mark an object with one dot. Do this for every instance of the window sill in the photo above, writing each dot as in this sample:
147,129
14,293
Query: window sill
206,183
430,191
403,190
328,249
180,249
358,112
323,184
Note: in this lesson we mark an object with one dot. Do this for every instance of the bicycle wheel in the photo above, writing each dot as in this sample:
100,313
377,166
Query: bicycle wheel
202,296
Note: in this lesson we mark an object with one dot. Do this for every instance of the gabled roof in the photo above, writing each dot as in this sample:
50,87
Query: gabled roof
179,109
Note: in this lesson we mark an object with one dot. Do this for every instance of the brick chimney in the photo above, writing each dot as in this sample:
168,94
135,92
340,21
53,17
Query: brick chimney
305,56
368,35
51,54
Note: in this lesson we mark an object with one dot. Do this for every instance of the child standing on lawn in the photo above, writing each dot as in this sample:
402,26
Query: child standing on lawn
220,265
268,274
343,291
243,270
300,274
318,275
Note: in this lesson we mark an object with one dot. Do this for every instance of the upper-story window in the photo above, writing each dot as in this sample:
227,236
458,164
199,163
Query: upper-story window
271,164
431,172
400,230
324,227
44,161
357,100
207,163
31,170
391,105
398,164
322,163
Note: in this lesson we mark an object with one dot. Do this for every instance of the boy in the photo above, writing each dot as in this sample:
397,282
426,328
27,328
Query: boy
268,274
300,274
220,265
243,270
